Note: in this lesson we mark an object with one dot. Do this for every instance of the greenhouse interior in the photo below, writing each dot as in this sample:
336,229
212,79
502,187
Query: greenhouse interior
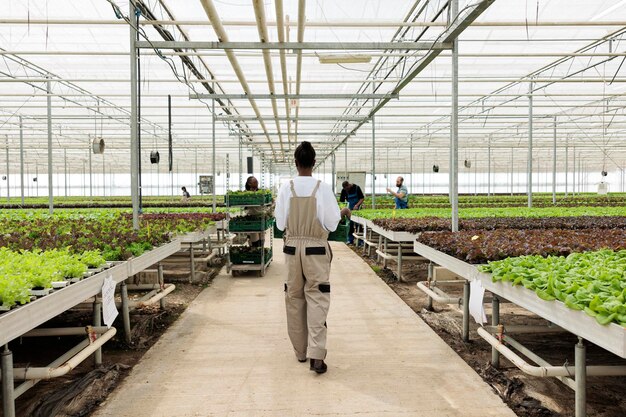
423,201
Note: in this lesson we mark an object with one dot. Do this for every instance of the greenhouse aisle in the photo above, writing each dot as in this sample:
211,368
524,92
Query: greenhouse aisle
229,355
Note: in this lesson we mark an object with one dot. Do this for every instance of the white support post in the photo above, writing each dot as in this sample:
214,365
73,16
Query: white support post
373,153
554,164
8,176
454,125
21,160
213,153
529,180
489,168
65,172
134,150
50,185
566,165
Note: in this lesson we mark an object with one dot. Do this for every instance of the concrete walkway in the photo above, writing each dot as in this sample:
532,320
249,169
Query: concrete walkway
229,355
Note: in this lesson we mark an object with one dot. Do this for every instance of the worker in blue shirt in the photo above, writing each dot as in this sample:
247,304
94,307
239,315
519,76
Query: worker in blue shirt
353,194
402,195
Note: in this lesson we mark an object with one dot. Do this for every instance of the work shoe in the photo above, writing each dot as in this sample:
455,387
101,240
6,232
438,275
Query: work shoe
318,366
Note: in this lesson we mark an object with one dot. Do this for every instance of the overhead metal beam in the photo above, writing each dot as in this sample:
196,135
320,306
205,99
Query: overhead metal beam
449,36
298,46
292,118
320,96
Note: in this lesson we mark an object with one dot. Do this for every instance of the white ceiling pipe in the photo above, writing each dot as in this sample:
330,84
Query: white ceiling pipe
333,24
301,21
259,12
280,28
214,18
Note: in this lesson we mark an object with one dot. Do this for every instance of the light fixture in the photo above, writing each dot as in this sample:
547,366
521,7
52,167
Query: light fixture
344,59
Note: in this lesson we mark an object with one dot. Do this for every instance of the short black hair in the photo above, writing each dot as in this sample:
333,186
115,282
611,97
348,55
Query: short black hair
183,188
305,155
249,182
345,184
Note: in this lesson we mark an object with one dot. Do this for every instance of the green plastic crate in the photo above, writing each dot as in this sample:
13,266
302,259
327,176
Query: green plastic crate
278,234
250,225
257,199
341,234
249,258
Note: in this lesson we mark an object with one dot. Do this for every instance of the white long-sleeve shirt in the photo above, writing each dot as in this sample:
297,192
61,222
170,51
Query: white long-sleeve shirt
327,208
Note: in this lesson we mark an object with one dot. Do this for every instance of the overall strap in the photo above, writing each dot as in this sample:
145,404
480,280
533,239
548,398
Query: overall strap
317,186
293,189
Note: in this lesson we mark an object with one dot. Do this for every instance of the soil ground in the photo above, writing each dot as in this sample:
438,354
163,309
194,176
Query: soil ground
84,388
527,396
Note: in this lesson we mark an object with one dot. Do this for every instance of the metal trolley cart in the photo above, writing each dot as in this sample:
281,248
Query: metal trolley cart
256,220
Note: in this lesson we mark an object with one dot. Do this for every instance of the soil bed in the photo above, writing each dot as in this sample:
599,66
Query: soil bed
78,393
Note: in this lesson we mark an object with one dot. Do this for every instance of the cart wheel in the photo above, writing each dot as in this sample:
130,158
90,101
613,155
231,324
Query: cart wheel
235,272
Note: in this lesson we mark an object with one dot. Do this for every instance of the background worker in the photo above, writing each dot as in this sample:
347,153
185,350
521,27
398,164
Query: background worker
186,195
255,239
353,194
401,195
307,209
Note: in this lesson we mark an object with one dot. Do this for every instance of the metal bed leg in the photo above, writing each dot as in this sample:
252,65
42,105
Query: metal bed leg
431,266
385,252
97,322
399,261
8,395
365,246
192,276
125,312
581,378
495,321
466,315
161,283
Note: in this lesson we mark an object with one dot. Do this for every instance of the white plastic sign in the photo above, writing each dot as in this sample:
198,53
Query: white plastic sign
109,311
476,306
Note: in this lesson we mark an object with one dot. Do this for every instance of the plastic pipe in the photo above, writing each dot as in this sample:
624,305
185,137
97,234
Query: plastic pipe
64,331
55,372
547,371
436,297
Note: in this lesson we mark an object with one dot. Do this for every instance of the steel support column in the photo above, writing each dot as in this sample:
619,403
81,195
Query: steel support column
466,313
454,124
554,164
213,117
21,160
373,155
8,176
50,185
529,185
134,150
8,394
581,378
489,168
65,171
566,165
495,321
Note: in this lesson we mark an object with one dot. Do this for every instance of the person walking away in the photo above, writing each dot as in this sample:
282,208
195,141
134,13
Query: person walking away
307,209
402,195
186,195
353,194
255,239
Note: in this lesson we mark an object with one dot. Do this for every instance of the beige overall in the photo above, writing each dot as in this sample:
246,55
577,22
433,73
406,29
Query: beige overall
307,291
